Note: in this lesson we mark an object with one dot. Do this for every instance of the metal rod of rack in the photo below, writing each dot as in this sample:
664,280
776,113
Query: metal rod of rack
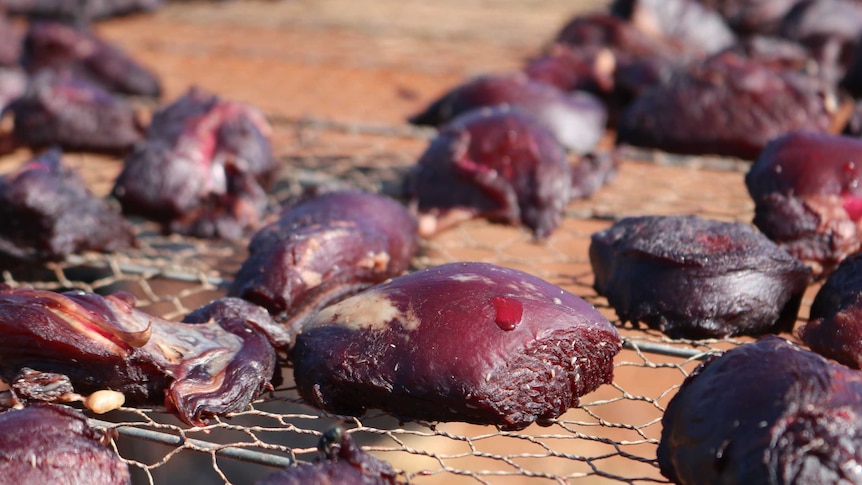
227,451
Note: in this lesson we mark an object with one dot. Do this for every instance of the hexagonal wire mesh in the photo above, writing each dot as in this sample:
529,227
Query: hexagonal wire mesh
612,436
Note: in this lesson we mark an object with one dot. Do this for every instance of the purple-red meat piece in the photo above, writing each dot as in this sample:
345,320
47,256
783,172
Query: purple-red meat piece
343,462
197,370
577,119
775,52
749,17
728,105
74,114
697,278
55,444
469,342
202,169
500,164
80,53
830,29
80,12
687,23
766,412
807,196
47,213
324,249
834,327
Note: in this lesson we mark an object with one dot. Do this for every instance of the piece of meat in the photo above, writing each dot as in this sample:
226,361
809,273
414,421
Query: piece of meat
807,196
343,462
197,370
767,412
775,53
80,12
75,114
620,35
834,327
55,444
10,43
202,169
500,164
729,105
323,249
577,119
470,342
47,213
697,278
570,68
748,17
829,29
687,23
80,53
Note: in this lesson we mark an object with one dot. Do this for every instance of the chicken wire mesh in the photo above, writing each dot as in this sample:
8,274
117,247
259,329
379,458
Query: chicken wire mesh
611,437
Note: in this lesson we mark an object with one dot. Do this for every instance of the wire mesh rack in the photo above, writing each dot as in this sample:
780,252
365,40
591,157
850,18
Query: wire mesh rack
611,437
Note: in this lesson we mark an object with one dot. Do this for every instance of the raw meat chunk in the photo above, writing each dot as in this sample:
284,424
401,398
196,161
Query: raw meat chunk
807,196
202,169
685,22
500,164
728,105
323,249
834,327
577,119
80,53
75,114
80,12
766,412
467,342
47,213
55,444
748,17
697,278
343,462
197,370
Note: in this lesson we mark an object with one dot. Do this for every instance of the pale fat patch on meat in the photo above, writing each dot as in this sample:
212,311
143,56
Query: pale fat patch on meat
370,310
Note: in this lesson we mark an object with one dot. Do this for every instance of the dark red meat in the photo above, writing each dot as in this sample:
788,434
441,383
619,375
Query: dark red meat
830,29
75,114
687,23
343,462
78,11
79,52
752,16
323,249
577,119
47,213
697,278
571,68
55,444
775,53
499,164
467,342
834,327
197,370
728,105
202,169
766,412
807,196
620,35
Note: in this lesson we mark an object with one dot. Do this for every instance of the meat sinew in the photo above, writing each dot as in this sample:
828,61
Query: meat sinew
834,327
807,196
343,462
469,342
55,444
766,412
323,249
198,370
47,213
202,168
729,105
696,278
499,164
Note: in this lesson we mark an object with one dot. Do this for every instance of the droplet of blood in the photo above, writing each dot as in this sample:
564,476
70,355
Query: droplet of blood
508,312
